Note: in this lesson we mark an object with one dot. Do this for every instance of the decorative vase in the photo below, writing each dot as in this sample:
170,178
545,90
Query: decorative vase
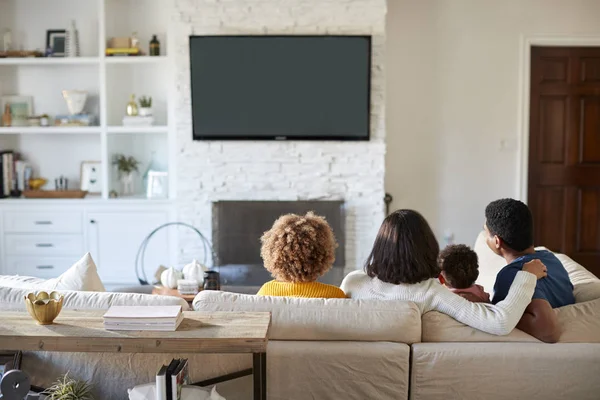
127,184
75,100
145,111
132,108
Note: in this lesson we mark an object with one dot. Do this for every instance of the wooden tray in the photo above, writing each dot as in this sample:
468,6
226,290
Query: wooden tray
54,194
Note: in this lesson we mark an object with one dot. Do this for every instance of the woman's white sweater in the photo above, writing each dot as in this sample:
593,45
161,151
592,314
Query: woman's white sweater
430,295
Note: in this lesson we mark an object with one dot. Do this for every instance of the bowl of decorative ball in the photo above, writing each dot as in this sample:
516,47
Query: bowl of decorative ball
44,307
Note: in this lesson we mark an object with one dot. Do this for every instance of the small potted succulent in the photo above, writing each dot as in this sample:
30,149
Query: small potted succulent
126,166
145,106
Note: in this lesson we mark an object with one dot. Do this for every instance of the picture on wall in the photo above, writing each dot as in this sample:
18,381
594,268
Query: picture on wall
21,108
56,42
91,176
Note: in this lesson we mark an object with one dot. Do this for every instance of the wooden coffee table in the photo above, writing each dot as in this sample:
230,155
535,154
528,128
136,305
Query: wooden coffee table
200,332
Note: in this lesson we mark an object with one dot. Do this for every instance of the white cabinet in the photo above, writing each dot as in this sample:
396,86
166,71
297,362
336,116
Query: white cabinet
115,237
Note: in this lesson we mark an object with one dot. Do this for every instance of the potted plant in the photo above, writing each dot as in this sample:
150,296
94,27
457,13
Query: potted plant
66,388
145,106
126,166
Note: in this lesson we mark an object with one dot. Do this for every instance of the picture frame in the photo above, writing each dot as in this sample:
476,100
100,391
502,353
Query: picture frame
91,177
158,182
56,41
9,360
21,108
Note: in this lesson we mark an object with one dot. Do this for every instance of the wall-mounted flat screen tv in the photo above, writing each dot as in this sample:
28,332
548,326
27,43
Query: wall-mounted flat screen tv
280,87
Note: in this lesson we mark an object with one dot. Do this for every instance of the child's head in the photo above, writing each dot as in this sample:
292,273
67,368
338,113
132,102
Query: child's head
459,266
298,248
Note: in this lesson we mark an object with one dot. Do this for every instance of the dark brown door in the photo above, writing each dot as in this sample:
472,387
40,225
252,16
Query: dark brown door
564,151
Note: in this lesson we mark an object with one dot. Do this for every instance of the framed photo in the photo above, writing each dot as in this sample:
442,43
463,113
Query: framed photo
21,108
9,360
157,184
56,40
91,176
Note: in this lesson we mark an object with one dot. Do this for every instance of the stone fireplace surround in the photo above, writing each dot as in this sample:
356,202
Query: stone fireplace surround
243,170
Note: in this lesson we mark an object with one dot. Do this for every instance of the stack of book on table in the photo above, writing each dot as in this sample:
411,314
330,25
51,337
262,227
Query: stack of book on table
171,378
143,318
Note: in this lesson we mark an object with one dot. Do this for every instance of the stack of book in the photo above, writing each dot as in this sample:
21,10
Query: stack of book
138,121
170,379
143,318
74,120
14,174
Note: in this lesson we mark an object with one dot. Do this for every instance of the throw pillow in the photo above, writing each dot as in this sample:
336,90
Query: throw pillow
82,276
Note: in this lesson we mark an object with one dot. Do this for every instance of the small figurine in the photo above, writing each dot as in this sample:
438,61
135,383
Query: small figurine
132,108
6,117
135,42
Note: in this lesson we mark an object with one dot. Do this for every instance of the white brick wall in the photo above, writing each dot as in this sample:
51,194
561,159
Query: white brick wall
211,171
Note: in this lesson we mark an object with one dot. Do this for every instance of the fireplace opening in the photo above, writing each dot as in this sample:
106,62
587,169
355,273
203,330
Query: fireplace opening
238,226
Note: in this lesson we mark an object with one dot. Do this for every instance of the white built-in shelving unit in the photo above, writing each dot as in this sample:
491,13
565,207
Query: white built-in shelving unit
109,81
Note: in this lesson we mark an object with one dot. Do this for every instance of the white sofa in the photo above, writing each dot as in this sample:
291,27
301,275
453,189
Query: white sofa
352,349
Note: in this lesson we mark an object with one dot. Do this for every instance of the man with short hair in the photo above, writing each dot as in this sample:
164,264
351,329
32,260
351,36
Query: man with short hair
509,233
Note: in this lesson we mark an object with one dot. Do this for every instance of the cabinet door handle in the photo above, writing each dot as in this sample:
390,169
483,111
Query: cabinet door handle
44,245
92,221
43,222
45,267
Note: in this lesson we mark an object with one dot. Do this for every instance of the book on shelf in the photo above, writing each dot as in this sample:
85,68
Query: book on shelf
143,318
74,120
138,121
8,176
171,378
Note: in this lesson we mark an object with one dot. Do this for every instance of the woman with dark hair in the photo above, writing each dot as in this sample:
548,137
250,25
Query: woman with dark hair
403,266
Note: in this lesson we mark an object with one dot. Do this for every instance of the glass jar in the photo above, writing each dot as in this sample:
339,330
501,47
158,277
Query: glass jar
212,280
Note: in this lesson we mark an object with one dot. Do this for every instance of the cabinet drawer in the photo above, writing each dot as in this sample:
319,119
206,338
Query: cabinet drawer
40,267
42,222
43,245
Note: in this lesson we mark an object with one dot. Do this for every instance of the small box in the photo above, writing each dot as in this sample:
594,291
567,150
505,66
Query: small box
119,42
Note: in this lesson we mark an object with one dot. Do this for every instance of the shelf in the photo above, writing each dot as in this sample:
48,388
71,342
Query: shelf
35,130
136,59
50,61
136,129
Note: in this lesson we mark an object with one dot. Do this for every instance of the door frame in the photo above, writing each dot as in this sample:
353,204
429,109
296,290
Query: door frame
526,43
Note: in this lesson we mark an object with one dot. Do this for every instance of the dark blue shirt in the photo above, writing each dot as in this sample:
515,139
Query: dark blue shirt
556,287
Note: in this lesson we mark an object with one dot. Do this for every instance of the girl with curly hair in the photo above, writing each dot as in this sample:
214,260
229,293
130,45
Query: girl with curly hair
297,250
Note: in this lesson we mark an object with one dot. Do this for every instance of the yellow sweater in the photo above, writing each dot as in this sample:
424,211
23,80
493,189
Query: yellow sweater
303,289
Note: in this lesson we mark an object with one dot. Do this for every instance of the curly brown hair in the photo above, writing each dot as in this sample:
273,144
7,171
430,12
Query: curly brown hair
298,248
459,266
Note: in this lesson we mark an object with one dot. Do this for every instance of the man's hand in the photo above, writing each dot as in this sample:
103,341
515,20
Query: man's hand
540,321
537,268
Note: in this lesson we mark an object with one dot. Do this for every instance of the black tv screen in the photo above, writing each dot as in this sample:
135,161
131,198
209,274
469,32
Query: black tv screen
280,87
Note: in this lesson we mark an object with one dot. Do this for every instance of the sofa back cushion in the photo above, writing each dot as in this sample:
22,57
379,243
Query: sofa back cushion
13,299
579,323
438,327
324,319
82,276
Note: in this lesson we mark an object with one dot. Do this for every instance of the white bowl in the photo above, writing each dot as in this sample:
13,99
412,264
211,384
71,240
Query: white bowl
75,100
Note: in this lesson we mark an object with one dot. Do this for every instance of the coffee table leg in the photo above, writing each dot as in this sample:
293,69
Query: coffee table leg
260,375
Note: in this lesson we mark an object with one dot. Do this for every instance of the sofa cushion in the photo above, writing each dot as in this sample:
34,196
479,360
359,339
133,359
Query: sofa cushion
82,276
13,299
438,327
580,323
324,319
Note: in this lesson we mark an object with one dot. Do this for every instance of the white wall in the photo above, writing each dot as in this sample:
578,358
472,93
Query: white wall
452,97
233,170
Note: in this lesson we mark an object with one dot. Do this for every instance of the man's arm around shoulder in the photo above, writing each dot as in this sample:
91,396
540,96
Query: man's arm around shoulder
540,321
